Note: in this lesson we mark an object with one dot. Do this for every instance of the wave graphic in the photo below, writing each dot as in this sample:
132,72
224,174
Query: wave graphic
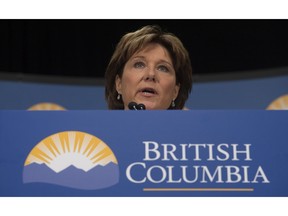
96,178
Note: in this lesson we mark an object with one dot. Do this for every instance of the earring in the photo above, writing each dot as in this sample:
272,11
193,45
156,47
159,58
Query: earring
173,104
118,97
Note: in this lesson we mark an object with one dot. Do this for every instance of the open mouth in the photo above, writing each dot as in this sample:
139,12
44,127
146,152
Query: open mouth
148,91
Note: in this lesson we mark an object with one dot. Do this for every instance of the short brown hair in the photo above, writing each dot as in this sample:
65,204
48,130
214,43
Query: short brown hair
133,42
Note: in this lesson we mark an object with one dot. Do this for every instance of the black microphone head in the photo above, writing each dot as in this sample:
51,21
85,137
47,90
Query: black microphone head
132,106
141,107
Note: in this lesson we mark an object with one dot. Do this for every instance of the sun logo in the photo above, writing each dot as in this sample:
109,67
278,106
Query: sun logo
281,103
73,159
46,106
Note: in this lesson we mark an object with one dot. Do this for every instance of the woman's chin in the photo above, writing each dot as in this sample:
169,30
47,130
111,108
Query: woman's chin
152,106
149,105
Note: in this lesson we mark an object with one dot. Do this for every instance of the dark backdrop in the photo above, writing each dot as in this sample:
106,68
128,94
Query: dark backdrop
84,47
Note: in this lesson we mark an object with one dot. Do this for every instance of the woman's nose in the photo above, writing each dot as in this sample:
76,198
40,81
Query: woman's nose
150,75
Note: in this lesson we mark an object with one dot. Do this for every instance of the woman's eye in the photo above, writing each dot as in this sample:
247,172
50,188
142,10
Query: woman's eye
163,68
139,65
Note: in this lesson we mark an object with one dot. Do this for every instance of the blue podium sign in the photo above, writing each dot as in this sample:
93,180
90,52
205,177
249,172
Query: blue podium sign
144,153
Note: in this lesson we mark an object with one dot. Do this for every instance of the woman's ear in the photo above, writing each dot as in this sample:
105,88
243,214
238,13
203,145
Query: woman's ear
176,91
118,84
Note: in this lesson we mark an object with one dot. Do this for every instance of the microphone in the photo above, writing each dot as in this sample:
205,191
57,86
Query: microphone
141,107
134,106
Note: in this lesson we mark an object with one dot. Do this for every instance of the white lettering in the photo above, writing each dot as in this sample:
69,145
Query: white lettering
260,174
163,174
222,151
236,152
231,173
217,173
197,150
128,172
151,147
167,151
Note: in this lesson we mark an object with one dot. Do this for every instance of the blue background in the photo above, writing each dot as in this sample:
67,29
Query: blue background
249,93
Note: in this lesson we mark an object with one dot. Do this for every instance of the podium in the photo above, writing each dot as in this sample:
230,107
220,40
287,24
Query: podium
216,153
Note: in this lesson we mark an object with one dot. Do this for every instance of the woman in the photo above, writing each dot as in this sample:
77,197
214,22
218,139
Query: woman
150,67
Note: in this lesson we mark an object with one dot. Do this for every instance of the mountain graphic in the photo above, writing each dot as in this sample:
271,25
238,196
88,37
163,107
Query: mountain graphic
97,178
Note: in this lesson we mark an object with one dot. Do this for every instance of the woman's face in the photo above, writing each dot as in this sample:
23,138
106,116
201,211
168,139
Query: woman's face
149,78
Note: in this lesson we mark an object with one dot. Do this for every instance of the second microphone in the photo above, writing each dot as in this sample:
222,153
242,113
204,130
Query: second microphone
135,106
